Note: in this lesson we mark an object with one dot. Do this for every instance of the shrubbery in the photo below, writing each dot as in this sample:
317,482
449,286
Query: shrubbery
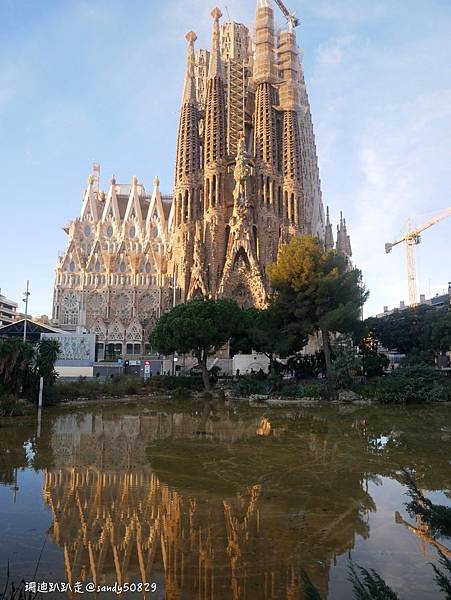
116,386
254,384
10,406
119,386
408,384
311,390
171,383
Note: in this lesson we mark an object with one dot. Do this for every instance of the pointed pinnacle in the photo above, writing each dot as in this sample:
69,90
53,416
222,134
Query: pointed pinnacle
191,37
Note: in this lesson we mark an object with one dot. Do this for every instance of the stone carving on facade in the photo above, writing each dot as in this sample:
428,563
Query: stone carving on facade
224,222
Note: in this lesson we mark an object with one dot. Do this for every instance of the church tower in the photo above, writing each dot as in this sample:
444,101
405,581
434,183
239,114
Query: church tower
215,163
246,180
293,199
187,204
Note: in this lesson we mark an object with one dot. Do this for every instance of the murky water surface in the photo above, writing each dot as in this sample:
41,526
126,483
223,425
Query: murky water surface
220,502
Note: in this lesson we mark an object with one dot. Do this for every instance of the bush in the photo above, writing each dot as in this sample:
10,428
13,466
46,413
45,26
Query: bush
10,407
311,390
346,364
252,384
410,383
171,383
117,386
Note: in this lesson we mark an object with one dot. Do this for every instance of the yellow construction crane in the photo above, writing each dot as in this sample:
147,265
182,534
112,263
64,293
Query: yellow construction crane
292,19
413,238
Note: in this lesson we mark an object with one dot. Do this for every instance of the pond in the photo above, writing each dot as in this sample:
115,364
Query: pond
219,501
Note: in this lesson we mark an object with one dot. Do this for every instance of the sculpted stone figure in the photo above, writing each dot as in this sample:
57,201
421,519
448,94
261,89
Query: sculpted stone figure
242,170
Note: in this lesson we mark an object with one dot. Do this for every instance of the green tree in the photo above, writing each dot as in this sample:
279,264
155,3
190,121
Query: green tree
373,362
201,327
319,290
421,332
267,331
16,360
347,362
22,364
46,355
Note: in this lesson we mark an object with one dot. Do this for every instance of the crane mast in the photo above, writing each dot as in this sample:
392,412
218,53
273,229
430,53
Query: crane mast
412,239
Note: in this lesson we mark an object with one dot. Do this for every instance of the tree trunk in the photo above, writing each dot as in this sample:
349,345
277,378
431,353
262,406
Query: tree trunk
272,362
326,349
205,373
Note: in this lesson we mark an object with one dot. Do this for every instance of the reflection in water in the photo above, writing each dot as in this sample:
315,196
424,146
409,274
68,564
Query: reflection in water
220,504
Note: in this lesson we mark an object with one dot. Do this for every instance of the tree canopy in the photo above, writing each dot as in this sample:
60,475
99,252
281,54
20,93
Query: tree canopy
318,290
421,331
268,331
22,364
201,326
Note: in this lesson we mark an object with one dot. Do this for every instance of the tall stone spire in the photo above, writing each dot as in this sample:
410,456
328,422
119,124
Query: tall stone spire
289,103
264,64
264,76
215,117
343,239
189,90
215,68
329,236
215,165
313,213
188,177
188,146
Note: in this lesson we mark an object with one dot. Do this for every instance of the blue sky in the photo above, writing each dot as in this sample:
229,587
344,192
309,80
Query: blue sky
101,80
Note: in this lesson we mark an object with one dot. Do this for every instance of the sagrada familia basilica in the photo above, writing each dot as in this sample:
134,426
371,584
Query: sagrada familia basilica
246,180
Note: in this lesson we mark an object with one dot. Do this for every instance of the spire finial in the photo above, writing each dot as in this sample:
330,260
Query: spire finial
113,180
191,37
156,182
189,90
134,180
216,13
215,69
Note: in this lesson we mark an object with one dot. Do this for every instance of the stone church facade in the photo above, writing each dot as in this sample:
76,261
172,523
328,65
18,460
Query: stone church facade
246,180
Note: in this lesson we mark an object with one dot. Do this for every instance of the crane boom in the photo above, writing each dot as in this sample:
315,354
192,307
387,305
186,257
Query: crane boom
412,238
293,21
414,234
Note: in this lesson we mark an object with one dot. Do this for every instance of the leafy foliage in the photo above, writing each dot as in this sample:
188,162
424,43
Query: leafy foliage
201,327
421,332
369,585
267,331
409,384
22,364
251,384
347,362
318,290
46,356
443,578
9,406
435,516
16,364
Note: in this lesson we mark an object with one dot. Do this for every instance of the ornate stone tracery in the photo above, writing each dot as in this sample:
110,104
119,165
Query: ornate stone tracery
246,180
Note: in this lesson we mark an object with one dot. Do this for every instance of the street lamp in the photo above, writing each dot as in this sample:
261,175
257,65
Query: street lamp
26,294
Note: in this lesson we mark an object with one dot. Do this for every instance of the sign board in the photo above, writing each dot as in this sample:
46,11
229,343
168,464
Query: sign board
75,349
